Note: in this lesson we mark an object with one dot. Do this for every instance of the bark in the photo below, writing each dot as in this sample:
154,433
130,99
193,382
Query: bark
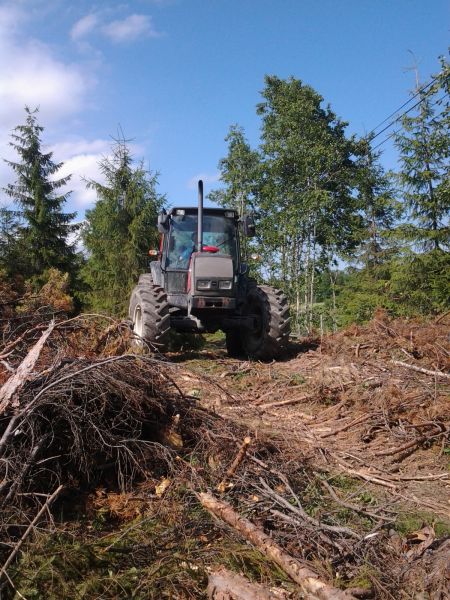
8,392
226,585
303,576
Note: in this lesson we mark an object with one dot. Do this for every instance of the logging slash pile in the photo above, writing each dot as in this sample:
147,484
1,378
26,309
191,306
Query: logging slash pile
130,475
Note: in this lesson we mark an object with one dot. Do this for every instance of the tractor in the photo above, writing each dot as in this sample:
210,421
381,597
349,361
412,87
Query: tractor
199,282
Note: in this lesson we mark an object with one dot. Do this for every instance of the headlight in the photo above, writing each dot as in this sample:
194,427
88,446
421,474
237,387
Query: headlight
226,284
203,284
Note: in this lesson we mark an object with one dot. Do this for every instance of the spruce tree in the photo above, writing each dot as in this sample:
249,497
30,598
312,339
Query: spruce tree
44,230
119,230
424,158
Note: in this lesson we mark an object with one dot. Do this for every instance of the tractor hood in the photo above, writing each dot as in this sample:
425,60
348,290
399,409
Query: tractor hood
211,274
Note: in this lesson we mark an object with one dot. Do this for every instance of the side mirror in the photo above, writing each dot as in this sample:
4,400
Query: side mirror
248,226
163,222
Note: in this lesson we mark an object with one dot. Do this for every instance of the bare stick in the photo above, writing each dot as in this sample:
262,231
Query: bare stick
417,442
356,421
286,402
14,383
421,369
358,509
303,576
234,465
29,529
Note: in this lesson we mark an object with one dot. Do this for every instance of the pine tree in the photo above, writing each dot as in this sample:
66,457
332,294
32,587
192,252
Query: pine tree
45,229
119,230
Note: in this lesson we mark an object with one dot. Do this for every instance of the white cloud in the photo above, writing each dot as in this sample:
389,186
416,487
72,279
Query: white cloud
31,74
207,178
84,26
81,159
130,28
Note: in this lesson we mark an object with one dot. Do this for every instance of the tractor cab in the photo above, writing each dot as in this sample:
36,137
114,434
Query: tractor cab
180,241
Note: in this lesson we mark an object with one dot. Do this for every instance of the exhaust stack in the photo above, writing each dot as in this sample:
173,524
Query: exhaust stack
200,217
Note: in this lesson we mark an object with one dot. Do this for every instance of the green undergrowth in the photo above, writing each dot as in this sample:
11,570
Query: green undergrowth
409,522
165,553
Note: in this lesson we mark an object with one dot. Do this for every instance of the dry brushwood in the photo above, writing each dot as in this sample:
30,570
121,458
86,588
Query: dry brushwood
85,416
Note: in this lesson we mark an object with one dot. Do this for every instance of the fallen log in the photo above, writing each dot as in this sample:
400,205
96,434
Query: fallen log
303,576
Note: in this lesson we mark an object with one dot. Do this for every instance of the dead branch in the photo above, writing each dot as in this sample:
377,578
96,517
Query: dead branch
29,529
416,442
14,383
300,512
399,363
234,465
286,402
358,509
303,576
356,421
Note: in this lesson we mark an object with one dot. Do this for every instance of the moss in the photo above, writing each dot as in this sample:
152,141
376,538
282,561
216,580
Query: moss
408,522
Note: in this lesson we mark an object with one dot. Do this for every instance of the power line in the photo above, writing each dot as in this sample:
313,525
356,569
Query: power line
389,125
419,91
397,130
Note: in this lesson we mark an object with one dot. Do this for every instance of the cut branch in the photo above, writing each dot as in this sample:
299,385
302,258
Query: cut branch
234,465
29,529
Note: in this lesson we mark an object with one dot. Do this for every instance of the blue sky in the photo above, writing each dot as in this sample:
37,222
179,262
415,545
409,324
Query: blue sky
175,74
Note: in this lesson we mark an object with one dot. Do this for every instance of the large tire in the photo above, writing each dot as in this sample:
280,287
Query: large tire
234,345
270,338
149,312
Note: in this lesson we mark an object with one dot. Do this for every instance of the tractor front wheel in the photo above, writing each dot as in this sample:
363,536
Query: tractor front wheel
269,338
149,312
233,342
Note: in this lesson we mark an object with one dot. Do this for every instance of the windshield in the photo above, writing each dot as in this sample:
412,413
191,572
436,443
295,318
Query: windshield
218,230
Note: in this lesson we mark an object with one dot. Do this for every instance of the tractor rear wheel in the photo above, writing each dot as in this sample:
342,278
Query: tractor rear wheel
270,336
149,312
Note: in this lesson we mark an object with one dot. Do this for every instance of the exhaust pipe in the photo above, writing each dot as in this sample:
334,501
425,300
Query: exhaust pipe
200,217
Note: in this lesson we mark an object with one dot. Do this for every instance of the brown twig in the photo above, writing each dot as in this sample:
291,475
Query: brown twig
234,465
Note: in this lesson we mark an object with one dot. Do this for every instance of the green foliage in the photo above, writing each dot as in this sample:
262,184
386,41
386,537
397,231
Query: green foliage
406,286
119,230
43,230
424,154
239,172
